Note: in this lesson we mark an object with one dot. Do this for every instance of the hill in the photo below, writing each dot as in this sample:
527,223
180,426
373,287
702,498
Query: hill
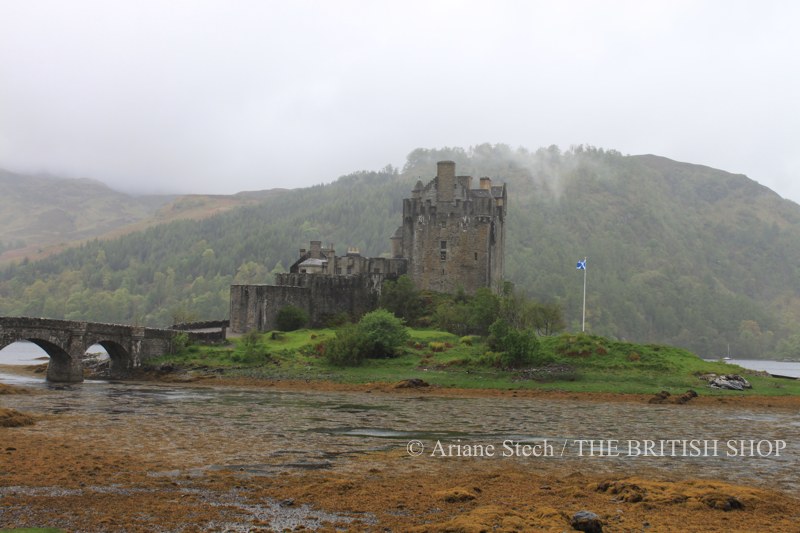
677,253
43,215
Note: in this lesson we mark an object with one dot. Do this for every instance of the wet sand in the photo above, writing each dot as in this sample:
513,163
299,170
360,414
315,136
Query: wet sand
72,472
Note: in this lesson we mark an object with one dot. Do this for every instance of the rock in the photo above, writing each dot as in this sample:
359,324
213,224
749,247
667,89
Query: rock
686,396
586,521
730,382
413,383
661,397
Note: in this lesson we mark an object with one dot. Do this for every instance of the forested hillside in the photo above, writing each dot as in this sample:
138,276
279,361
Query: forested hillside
677,253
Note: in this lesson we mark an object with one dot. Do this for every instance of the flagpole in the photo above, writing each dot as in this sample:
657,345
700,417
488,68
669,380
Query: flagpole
583,320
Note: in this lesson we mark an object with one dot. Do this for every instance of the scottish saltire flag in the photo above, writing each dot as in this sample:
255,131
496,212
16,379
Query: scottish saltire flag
581,264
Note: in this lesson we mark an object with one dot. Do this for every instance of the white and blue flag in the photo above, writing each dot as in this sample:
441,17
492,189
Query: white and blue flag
581,264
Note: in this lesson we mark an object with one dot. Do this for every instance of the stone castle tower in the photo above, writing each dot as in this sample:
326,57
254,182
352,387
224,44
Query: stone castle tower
453,236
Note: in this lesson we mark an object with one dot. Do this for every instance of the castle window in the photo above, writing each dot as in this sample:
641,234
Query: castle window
443,255
476,256
443,245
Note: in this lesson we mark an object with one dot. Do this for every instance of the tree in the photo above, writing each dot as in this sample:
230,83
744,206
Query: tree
484,310
251,273
402,298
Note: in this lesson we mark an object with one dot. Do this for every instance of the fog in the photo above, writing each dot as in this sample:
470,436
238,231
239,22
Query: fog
218,97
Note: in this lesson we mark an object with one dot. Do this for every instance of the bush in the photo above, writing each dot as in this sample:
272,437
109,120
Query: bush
521,348
347,348
291,318
383,333
466,340
251,347
180,342
517,347
250,340
378,334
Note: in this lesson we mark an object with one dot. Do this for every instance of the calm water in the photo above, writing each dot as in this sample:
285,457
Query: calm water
265,431
780,368
27,353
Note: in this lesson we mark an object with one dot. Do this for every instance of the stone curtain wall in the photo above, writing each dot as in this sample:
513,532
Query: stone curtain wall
321,297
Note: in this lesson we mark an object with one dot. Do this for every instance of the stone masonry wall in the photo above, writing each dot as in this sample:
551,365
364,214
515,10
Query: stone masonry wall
321,297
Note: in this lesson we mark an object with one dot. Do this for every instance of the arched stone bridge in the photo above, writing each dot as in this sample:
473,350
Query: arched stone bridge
66,343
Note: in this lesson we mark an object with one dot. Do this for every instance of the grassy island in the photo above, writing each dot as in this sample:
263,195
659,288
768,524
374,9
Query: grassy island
565,362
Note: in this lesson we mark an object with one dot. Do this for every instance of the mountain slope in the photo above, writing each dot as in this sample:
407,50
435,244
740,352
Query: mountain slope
42,215
678,253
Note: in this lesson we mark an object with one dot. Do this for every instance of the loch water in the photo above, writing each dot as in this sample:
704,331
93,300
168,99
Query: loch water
264,431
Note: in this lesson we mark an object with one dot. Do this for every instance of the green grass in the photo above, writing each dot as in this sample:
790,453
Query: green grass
568,362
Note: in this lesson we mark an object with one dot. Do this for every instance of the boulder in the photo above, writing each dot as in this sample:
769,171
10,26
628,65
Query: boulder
586,521
413,383
730,382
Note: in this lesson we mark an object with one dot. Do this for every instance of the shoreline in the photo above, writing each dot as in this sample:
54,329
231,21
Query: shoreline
324,385
91,471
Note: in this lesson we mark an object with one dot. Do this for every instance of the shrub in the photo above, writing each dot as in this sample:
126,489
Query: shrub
347,348
291,318
436,346
521,348
383,333
180,342
517,347
250,344
378,334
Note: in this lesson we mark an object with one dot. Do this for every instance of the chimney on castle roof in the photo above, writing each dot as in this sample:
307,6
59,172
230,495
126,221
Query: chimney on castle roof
486,184
445,180
316,249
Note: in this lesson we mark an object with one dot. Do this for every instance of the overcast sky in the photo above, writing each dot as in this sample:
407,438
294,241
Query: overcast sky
223,96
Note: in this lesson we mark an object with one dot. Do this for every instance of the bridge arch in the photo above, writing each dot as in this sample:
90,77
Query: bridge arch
119,356
61,362
67,341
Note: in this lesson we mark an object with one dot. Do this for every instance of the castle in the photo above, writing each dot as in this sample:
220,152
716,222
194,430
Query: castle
452,236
